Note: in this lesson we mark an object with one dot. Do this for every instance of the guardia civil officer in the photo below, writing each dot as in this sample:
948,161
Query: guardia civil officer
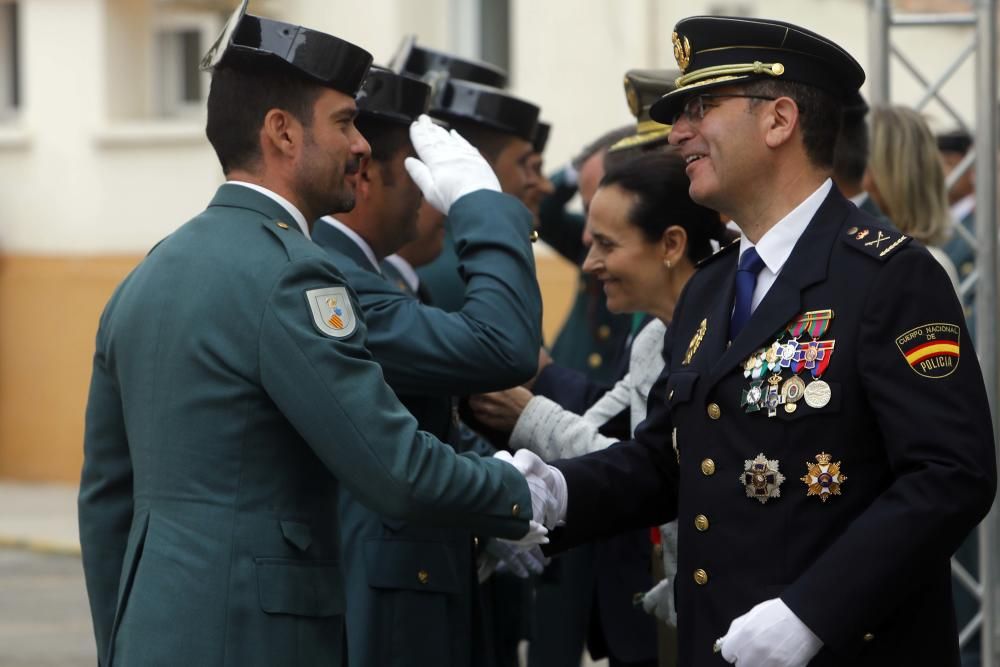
821,430
467,95
395,569
232,393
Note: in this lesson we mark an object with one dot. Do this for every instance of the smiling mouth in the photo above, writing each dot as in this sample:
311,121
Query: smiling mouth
690,159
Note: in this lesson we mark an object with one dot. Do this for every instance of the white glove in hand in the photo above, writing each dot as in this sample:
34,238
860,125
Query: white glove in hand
449,166
540,497
769,635
556,496
522,563
659,602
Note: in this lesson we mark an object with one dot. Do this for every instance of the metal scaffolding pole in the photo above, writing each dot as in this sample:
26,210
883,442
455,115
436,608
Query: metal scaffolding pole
982,19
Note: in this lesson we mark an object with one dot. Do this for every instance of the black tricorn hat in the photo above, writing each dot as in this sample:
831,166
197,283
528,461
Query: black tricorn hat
390,96
541,136
328,60
464,100
427,64
643,87
956,141
714,51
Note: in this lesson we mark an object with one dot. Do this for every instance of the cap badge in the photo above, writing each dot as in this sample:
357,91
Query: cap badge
761,478
823,478
632,97
682,51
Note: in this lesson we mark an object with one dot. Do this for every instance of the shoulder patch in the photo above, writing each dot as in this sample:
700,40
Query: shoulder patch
724,250
931,350
878,242
332,311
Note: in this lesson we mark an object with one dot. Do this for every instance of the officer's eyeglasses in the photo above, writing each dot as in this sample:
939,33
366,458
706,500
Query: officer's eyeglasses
694,109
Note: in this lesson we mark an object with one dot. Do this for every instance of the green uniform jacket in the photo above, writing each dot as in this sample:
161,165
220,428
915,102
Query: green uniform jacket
223,416
410,588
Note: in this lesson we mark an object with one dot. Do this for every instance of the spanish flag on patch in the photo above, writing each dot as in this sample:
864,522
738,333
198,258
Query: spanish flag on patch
931,350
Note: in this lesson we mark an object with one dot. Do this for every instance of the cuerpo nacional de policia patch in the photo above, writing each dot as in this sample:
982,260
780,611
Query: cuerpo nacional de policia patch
931,350
332,311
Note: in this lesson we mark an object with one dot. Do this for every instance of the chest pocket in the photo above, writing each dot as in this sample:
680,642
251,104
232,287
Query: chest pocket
803,410
680,388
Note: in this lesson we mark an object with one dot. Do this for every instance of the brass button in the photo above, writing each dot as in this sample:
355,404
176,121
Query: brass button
595,360
283,225
701,522
670,396
700,577
516,510
707,467
423,576
533,236
714,411
869,636
604,332
475,542
852,231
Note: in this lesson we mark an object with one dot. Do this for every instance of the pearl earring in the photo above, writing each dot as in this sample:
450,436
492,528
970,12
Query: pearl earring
669,265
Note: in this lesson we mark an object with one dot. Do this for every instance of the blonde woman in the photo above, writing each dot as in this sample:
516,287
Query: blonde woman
905,178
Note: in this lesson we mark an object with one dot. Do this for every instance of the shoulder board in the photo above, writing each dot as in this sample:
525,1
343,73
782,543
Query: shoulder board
288,234
877,242
724,250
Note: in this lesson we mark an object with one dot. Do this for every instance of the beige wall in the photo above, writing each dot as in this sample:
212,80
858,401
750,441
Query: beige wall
49,308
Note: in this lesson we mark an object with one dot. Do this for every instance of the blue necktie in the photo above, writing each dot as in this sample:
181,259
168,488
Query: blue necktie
746,281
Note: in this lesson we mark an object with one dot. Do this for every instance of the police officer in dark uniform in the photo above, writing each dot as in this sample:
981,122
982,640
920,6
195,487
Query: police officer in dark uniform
232,392
395,569
821,430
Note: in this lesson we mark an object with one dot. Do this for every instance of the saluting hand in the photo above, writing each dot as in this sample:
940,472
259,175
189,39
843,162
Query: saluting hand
449,166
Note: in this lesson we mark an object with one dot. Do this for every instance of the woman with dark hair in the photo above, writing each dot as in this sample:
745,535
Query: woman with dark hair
648,235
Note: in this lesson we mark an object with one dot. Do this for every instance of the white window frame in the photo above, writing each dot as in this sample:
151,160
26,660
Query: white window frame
166,77
11,72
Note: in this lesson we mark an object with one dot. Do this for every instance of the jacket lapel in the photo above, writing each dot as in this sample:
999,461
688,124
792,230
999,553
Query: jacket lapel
332,238
806,266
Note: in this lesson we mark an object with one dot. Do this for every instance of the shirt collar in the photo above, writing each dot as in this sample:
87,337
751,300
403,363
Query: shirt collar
777,243
963,207
354,236
406,270
285,204
859,198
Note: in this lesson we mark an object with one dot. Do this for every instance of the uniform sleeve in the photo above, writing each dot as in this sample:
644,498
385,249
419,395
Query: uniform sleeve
332,392
492,342
938,441
105,500
554,433
629,485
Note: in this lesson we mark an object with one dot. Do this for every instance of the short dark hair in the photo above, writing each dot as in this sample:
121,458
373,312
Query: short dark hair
660,184
240,98
487,140
386,139
850,156
819,115
602,143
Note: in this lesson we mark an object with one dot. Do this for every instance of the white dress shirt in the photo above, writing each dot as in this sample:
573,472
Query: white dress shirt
296,214
406,270
777,243
354,236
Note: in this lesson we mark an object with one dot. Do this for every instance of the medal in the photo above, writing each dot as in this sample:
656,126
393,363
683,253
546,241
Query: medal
817,394
761,478
773,397
823,477
751,398
792,391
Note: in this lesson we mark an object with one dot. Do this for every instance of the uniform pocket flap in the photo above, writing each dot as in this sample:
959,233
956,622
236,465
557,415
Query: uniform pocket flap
411,565
680,387
300,587
299,534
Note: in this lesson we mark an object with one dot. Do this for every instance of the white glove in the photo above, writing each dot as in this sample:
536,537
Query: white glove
449,166
769,635
546,483
659,602
522,563
540,497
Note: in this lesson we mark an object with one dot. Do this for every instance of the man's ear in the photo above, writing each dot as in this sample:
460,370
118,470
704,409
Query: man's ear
366,179
781,122
282,132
